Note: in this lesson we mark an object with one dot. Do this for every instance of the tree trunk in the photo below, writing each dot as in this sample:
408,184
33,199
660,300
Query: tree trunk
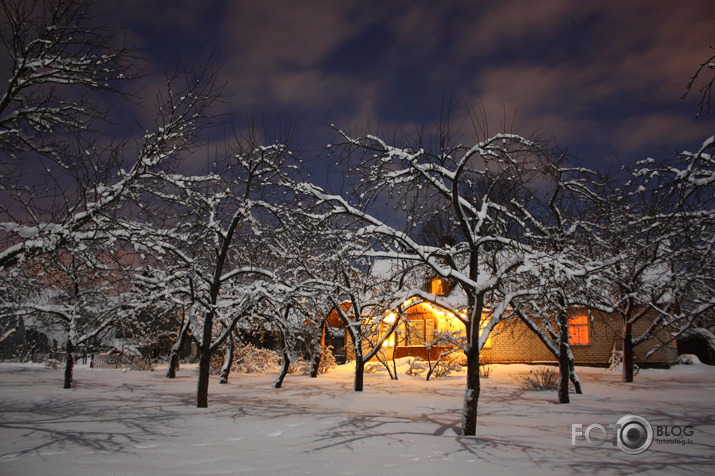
574,377
318,353
359,372
202,390
430,367
284,371
471,395
315,363
564,369
227,362
176,350
627,361
69,366
394,361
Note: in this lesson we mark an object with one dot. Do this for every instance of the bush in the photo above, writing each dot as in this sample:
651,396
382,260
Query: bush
374,368
299,366
416,367
53,364
247,358
445,367
616,361
327,362
543,378
25,352
485,369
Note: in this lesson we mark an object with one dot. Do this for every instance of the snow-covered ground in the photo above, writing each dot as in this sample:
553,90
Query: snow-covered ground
139,423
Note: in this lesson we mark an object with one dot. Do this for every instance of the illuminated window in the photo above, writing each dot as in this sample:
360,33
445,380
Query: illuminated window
429,331
390,341
416,333
578,330
437,287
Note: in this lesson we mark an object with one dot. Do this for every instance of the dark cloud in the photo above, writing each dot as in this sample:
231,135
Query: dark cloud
604,78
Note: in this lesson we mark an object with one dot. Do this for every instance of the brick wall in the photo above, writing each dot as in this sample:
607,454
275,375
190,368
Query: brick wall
512,341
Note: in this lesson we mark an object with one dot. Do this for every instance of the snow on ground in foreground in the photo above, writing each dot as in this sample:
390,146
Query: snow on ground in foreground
139,423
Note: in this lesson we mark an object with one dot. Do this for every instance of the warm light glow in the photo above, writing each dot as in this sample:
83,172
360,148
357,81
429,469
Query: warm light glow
389,318
578,330
442,314
482,324
408,302
437,287
421,319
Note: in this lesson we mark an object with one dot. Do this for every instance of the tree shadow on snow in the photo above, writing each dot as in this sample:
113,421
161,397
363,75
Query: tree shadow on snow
55,424
352,429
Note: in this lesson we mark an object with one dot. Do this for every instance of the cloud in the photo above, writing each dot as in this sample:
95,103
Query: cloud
599,75
662,134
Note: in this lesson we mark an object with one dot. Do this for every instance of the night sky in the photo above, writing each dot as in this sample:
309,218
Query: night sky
603,79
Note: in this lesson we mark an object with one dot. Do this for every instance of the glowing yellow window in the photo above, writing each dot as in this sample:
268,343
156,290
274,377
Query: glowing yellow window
437,287
578,330
416,333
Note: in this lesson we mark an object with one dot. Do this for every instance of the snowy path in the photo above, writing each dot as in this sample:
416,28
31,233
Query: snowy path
132,423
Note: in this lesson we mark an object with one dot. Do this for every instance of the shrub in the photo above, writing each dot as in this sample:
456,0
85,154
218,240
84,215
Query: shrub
616,361
53,364
543,378
247,358
416,367
374,368
25,352
485,369
327,362
299,366
688,359
445,367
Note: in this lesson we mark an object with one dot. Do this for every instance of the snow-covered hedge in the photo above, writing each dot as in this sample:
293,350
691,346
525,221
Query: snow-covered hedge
700,342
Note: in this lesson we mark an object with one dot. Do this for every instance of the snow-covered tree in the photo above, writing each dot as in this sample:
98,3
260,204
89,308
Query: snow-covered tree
686,222
474,184
64,183
79,295
180,340
364,301
560,268
657,233
294,321
209,243
49,216
706,73
56,58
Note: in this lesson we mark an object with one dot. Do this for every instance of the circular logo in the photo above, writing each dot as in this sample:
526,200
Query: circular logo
634,434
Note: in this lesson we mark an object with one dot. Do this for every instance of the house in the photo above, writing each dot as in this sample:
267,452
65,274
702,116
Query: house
432,332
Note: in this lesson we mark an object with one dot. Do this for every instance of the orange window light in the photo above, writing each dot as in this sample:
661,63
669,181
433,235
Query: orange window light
437,287
578,330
